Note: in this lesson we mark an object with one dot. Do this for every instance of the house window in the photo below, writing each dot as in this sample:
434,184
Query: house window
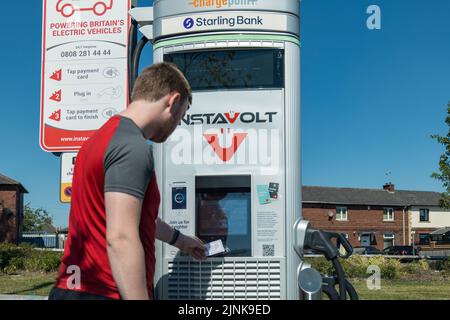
424,215
424,238
341,214
388,239
388,214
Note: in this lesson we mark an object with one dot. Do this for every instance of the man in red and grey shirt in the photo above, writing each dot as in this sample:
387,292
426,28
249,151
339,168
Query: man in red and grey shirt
110,251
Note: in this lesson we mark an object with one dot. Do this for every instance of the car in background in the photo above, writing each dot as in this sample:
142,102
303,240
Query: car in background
401,251
366,250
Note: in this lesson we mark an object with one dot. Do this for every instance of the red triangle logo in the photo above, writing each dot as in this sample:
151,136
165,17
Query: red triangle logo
56,115
232,116
56,96
225,154
57,75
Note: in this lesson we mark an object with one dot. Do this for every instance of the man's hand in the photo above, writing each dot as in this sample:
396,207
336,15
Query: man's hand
192,246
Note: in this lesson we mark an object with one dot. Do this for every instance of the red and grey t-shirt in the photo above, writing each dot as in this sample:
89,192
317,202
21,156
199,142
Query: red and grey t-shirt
116,159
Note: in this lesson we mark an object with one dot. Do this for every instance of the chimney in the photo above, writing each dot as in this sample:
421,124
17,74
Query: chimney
389,187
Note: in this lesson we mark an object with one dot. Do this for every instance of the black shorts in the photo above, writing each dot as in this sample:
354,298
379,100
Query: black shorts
61,294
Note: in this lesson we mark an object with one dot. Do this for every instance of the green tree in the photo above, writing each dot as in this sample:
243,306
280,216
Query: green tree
35,219
444,164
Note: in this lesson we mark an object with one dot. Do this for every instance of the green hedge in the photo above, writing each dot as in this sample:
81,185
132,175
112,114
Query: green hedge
14,259
441,265
356,266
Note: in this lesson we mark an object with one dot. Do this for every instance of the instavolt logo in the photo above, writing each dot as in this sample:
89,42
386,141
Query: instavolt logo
188,23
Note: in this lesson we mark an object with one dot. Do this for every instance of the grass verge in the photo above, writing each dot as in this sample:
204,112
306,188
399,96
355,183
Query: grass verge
41,283
405,290
38,284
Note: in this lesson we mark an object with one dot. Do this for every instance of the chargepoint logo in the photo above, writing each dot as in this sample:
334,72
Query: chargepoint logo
218,4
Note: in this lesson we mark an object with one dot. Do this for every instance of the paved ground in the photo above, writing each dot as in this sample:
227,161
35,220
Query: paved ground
16,297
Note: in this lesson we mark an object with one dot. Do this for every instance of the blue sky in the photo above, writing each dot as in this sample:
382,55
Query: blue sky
370,99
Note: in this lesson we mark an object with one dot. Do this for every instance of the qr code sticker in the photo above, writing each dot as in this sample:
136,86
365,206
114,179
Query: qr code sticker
268,250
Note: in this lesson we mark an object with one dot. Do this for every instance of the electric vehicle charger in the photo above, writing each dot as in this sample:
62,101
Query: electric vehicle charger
329,288
319,241
308,240
257,246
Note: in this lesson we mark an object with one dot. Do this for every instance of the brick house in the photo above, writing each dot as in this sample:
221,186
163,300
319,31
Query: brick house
11,209
428,218
375,217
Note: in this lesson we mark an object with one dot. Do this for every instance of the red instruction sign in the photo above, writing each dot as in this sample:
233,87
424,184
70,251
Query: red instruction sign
84,69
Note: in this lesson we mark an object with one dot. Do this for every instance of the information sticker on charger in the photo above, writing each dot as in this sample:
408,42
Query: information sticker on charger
214,248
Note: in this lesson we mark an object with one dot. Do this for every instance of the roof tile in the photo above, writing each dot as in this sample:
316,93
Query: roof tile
354,196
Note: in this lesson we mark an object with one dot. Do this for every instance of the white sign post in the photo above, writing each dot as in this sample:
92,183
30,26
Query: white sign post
84,69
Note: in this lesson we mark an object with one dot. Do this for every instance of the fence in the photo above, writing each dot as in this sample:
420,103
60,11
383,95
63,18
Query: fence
45,240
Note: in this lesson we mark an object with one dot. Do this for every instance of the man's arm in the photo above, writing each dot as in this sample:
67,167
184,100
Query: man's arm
124,246
191,245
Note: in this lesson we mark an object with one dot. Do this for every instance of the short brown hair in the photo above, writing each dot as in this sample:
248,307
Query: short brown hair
159,80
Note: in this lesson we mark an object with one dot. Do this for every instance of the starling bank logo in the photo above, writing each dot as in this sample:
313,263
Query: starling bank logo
222,21
188,23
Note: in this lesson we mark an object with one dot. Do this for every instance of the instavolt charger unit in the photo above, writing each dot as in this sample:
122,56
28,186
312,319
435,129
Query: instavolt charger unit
230,173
